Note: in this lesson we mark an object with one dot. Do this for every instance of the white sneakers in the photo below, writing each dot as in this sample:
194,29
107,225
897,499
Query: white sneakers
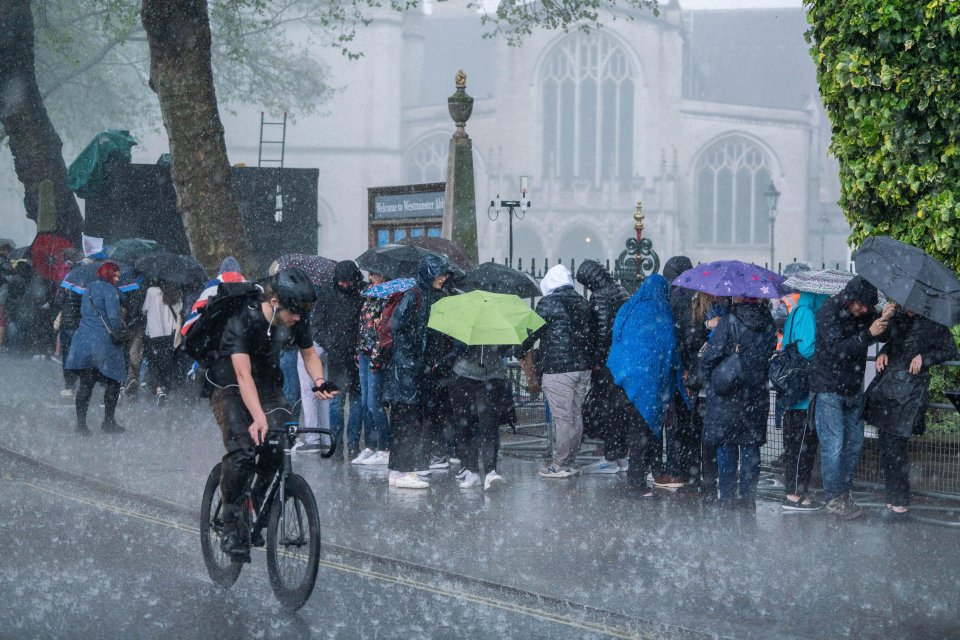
366,453
492,480
407,481
371,457
470,479
601,466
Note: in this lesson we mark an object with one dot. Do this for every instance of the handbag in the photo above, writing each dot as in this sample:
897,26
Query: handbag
788,373
695,380
592,410
117,337
725,377
178,323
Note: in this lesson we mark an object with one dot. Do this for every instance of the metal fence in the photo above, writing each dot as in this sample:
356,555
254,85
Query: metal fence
934,457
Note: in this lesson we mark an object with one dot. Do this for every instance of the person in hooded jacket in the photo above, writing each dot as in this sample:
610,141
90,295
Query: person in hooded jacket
606,298
406,374
563,361
897,398
736,417
336,329
799,437
846,327
645,364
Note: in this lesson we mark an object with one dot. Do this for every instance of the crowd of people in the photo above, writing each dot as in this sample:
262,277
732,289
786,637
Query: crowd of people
673,381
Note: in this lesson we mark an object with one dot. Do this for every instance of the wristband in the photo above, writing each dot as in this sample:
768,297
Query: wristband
320,379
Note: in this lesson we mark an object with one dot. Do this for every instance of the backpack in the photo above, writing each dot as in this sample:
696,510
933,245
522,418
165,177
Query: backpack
202,338
385,332
788,372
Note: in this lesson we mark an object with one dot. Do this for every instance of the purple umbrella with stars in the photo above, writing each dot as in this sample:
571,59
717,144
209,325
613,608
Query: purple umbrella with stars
732,278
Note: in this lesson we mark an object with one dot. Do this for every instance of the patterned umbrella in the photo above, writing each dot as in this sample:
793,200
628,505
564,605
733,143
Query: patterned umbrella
828,282
47,255
317,268
448,248
385,289
725,278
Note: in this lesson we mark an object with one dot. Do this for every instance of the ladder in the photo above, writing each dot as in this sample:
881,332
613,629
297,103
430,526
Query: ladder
269,132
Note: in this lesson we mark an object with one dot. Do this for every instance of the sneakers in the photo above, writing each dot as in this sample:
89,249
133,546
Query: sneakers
470,480
377,458
236,547
844,508
84,430
364,455
492,481
601,466
668,481
462,473
803,505
439,462
624,465
161,399
424,473
392,478
410,481
309,447
556,471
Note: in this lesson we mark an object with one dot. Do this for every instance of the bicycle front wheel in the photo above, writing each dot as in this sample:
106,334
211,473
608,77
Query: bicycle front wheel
293,543
222,570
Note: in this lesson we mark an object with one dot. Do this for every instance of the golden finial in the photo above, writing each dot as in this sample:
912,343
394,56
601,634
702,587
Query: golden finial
638,216
461,79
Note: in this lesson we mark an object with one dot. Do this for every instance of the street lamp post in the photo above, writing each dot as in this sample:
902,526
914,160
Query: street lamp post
772,196
515,209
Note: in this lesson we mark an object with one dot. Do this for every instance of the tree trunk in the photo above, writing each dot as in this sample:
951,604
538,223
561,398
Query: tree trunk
34,143
182,77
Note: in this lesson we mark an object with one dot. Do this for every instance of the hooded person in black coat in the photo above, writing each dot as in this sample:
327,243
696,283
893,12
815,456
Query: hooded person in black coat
608,399
846,327
896,400
336,328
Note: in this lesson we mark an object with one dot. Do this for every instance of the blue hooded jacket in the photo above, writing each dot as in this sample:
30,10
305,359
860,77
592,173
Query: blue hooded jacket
801,327
643,357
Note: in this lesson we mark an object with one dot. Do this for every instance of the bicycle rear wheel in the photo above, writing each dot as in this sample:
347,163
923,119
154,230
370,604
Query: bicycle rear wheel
293,543
221,569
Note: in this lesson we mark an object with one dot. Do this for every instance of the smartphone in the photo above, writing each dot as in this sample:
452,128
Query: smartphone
326,387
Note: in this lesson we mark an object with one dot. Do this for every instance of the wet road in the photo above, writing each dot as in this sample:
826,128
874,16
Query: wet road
579,548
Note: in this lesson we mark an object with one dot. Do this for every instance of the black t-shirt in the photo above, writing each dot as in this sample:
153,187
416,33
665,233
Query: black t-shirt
246,332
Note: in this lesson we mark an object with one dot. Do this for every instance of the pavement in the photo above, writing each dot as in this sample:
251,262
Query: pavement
675,567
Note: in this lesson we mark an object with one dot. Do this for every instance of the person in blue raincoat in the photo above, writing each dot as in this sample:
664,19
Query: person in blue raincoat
799,435
645,364
736,418
94,355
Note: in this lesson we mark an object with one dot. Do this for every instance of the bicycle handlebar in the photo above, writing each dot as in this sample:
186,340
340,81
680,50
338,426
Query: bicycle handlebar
292,428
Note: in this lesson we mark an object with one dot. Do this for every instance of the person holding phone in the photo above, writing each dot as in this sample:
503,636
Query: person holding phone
248,396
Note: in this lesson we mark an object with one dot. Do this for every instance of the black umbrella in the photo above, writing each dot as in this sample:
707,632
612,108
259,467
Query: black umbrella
911,278
499,278
175,269
130,250
392,260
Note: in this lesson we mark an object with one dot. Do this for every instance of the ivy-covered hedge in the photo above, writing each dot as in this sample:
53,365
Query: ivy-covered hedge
889,76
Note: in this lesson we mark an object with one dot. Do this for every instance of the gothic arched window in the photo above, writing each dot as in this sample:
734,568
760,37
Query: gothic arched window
731,177
427,160
587,85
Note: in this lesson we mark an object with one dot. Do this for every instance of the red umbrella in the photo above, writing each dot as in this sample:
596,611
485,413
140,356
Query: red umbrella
46,252
441,245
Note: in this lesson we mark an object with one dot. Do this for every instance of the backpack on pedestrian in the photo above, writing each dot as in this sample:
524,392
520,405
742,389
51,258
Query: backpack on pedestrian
386,316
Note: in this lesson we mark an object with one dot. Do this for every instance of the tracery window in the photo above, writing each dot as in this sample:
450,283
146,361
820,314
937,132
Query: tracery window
587,86
732,176
427,161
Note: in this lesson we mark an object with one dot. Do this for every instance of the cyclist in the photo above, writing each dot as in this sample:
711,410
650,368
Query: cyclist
248,395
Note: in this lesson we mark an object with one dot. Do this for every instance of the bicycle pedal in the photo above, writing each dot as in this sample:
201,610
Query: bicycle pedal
240,558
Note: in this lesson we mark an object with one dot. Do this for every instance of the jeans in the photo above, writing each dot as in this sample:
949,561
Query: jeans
291,381
748,456
353,422
839,424
371,397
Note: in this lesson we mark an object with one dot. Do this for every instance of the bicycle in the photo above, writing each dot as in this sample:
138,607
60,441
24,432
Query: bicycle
293,527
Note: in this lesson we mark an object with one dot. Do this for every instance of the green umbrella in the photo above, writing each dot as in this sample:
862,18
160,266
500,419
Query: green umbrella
484,318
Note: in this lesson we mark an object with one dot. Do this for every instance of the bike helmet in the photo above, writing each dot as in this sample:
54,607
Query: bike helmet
294,290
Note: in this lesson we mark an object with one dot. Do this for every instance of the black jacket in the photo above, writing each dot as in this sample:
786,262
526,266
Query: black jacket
842,340
336,321
565,339
606,298
690,335
897,399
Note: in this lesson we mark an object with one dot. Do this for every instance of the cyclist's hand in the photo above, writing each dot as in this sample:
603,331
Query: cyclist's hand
258,430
